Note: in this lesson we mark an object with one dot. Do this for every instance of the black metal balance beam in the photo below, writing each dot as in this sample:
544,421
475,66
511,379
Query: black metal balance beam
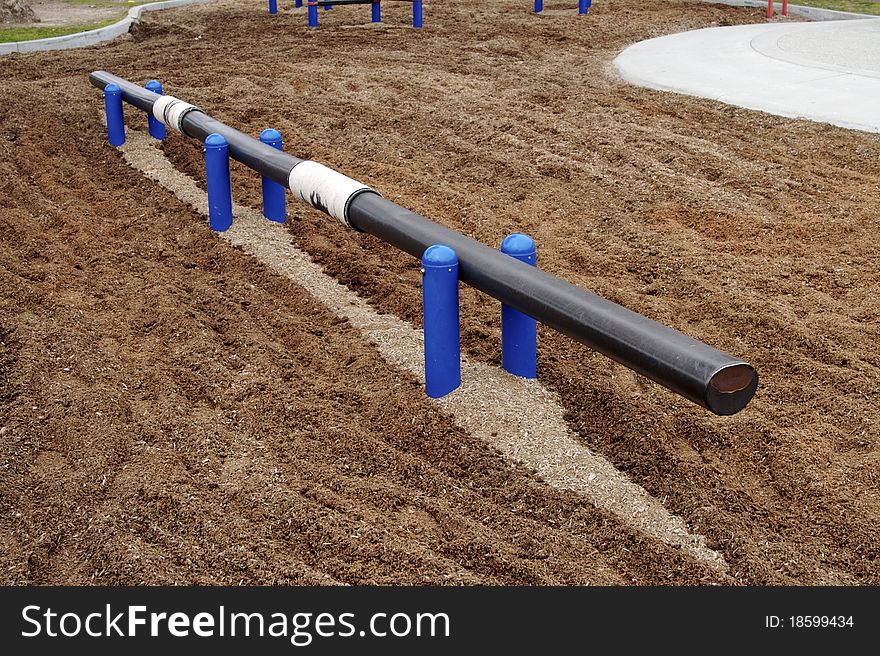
696,371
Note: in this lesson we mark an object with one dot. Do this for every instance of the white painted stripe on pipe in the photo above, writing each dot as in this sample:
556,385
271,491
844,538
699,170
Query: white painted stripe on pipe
325,189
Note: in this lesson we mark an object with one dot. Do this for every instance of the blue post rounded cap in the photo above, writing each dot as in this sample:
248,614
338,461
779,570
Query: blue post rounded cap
154,85
112,88
439,255
518,244
270,135
215,140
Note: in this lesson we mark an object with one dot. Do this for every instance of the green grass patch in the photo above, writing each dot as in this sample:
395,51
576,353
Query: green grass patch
30,33
11,34
854,6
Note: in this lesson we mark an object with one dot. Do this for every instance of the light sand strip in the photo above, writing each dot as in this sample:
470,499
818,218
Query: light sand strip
518,417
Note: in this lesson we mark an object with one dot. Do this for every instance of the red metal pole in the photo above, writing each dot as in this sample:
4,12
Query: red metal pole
769,9
785,7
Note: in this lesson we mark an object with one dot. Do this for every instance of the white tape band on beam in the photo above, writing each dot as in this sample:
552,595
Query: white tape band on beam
175,113
170,111
325,189
159,107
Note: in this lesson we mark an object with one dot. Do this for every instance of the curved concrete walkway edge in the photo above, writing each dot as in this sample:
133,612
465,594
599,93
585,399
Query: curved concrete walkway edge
826,71
91,37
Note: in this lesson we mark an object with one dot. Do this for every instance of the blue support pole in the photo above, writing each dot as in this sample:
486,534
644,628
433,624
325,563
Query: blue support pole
539,6
417,14
377,11
440,307
584,6
273,6
298,4
274,201
219,187
328,7
113,111
313,14
519,332
156,127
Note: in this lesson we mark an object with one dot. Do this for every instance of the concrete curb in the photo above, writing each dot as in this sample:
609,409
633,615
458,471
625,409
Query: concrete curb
813,13
84,39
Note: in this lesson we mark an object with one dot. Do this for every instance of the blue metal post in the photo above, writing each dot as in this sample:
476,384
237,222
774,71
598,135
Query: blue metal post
440,307
519,331
113,110
417,14
298,4
584,6
328,7
539,6
273,6
156,127
313,13
377,11
274,200
219,188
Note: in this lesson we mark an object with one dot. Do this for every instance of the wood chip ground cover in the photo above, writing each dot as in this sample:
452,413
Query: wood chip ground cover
174,411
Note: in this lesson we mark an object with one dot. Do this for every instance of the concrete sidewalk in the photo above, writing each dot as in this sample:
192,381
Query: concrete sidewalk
92,37
827,72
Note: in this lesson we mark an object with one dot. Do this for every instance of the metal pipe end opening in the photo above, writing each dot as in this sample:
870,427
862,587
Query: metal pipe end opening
731,388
